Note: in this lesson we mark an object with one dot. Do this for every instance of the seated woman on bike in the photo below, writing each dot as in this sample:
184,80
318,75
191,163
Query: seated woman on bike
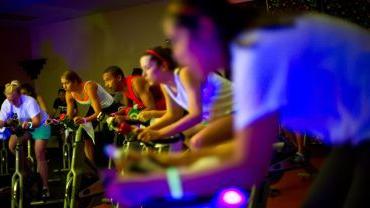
207,100
273,62
86,93
29,113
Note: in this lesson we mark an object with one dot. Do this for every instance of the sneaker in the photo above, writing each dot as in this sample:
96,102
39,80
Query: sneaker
299,158
45,193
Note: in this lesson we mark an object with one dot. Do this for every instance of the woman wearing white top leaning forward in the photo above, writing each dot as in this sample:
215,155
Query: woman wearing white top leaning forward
207,99
87,93
308,72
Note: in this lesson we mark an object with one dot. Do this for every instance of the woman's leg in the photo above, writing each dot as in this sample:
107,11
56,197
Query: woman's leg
42,166
193,130
300,142
299,156
12,143
216,132
334,180
359,194
89,149
88,144
189,133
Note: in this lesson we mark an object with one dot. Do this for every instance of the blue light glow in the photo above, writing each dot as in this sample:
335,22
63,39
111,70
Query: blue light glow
111,151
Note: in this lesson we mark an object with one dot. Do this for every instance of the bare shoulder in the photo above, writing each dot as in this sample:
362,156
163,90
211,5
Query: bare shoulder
90,85
139,83
188,78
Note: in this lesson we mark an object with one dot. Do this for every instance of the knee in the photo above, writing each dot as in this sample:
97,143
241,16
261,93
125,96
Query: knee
195,143
11,145
11,148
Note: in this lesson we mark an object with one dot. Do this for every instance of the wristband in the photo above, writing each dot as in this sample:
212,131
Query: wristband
30,123
84,120
174,183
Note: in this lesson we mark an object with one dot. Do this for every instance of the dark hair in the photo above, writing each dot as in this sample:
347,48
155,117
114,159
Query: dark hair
163,56
71,76
229,19
30,89
137,71
115,71
61,90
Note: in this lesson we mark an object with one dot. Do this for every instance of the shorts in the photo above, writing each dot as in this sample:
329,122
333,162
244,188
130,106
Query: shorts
43,132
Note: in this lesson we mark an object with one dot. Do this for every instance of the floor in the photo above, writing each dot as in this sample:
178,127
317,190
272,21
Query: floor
293,187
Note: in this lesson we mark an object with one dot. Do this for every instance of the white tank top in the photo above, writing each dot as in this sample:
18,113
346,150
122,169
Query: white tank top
105,98
217,99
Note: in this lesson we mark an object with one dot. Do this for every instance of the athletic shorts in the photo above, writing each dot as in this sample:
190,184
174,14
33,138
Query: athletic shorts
43,132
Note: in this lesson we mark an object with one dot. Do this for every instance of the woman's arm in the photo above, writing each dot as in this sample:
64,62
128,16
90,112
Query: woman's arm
125,101
36,121
42,104
192,87
3,113
92,92
70,105
149,114
173,113
175,159
246,165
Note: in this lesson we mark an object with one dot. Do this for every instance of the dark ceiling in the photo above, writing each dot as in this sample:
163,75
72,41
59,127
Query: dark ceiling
26,13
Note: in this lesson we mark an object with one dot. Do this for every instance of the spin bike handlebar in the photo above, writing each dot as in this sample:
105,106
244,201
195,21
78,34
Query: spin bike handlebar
125,128
137,122
15,126
66,123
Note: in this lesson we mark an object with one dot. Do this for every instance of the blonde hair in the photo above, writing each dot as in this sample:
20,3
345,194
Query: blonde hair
11,87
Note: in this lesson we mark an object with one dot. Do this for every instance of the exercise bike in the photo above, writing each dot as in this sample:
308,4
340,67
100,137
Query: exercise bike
4,168
130,142
83,187
234,197
65,128
5,176
25,181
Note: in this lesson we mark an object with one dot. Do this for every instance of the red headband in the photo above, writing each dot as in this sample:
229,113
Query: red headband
155,54
182,10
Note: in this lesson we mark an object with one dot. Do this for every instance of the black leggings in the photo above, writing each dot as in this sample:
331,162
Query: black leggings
103,135
343,180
